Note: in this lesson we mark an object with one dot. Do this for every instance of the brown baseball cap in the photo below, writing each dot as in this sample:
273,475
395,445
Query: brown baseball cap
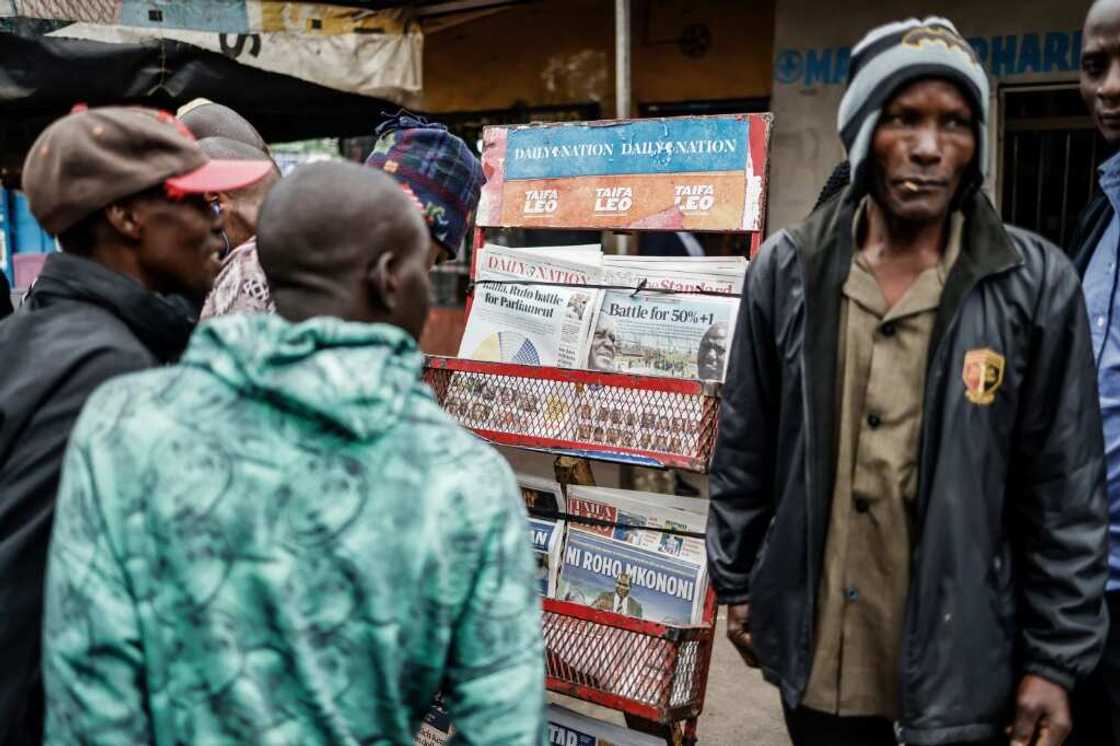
91,158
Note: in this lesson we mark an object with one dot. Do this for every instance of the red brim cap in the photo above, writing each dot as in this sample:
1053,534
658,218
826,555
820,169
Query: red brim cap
220,176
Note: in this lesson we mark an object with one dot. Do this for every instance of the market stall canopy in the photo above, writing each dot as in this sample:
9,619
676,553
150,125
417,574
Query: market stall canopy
296,70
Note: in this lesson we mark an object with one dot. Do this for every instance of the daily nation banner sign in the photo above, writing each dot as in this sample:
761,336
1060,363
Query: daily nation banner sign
683,173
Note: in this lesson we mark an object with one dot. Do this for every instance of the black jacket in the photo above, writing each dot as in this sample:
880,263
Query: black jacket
1091,225
81,325
1009,564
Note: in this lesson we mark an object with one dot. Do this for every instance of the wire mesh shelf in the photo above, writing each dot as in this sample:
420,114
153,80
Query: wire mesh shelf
644,420
650,670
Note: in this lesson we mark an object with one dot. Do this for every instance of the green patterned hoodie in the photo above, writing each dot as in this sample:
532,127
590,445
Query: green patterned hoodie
284,540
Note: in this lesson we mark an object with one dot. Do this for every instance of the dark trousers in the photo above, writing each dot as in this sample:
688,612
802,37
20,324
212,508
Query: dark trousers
1096,701
813,728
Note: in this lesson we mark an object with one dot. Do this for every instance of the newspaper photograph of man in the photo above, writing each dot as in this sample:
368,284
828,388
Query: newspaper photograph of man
620,601
712,353
577,305
604,345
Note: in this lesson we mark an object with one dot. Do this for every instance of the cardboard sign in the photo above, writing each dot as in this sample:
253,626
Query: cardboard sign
683,173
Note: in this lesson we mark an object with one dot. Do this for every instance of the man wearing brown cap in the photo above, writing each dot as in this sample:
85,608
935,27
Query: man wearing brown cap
122,189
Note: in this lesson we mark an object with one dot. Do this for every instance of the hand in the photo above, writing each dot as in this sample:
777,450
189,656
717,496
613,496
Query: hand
1041,711
737,617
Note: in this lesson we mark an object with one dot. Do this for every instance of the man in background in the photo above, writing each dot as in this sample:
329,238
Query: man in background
435,168
239,285
122,189
1094,253
208,119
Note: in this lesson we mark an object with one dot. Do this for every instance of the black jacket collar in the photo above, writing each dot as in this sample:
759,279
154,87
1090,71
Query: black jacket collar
163,325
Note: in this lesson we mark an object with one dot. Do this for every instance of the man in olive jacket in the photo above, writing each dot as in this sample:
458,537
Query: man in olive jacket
908,519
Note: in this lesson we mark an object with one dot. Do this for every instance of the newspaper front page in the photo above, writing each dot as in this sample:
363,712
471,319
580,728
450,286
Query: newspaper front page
531,323
633,513
611,327
613,575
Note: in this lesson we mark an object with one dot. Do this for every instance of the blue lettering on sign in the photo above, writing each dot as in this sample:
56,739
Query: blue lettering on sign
647,146
1004,55
818,66
1002,62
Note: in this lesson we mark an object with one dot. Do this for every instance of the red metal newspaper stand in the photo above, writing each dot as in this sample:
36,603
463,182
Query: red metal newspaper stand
689,173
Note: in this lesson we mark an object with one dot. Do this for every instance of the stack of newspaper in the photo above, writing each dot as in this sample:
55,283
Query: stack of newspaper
630,567
619,560
436,729
574,307
569,728
565,728
544,499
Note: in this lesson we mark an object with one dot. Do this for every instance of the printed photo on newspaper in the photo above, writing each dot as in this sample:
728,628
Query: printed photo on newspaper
436,729
610,416
541,495
484,402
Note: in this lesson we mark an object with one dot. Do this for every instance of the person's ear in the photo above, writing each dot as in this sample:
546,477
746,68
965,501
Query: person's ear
125,220
383,280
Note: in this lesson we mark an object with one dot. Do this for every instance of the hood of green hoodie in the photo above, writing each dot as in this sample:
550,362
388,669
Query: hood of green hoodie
358,377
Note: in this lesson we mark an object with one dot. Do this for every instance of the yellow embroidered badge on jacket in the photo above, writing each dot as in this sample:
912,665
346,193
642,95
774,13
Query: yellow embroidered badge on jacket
983,375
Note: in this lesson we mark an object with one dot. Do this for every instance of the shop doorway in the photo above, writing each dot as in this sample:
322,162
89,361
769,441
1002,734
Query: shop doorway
1049,152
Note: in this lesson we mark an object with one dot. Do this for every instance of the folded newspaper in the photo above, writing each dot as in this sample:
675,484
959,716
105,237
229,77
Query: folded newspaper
569,728
544,321
655,333
633,511
632,568
436,729
577,308
546,534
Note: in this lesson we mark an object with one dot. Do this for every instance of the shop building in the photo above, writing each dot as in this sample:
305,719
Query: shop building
1045,150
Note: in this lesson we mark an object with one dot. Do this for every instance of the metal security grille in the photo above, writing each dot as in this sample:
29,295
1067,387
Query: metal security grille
1050,152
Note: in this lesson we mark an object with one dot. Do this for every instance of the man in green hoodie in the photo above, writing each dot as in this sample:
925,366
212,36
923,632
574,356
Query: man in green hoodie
283,539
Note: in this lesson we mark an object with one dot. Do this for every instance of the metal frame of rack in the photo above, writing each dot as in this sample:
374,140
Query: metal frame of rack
654,673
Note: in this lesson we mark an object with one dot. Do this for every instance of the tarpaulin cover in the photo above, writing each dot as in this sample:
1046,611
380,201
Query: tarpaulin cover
296,70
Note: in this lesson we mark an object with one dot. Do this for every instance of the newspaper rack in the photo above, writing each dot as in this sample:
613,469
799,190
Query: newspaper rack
538,408
657,672
674,174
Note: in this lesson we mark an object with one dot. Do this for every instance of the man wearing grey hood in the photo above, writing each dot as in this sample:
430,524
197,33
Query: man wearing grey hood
908,521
